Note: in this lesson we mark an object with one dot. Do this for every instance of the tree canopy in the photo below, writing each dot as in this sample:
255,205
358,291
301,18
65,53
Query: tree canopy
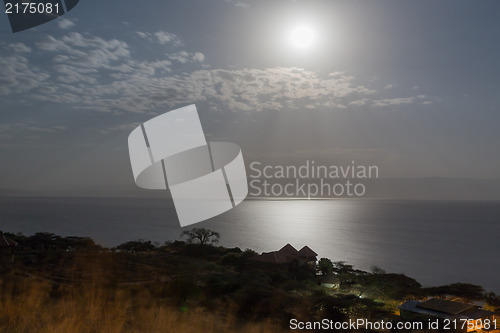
137,246
325,265
201,236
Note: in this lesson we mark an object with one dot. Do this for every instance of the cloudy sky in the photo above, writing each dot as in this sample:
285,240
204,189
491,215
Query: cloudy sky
412,87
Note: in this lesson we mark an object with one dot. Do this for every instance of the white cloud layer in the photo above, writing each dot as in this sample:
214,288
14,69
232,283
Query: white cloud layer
106,75
64,23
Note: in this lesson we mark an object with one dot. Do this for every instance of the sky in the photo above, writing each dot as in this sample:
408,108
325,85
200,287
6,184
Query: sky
411,87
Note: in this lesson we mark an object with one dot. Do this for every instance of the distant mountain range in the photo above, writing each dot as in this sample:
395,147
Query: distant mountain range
393,188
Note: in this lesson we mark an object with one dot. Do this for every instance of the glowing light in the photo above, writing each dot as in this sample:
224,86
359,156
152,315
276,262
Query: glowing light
302,36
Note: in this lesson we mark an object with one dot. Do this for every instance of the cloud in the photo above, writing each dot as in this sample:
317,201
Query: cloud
269,89
18,76
401,101
186,57
161,37
28,126
122,127
360,102
85,52
32,133
198,56
393,101
166,37
17,47
239,3
65,23
109,75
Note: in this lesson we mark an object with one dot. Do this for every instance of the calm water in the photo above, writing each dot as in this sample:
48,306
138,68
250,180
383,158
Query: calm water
434,242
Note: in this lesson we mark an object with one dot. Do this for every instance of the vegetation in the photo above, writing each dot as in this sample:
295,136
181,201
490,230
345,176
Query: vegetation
325,265
201,235
465,290
137,246
70,284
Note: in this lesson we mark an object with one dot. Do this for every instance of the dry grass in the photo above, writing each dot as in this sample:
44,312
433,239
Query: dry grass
37,305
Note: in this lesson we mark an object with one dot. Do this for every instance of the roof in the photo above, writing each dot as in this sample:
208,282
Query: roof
307,252
286,254
478,314
271,257
441,308
289,250
5,241
412,306
443,305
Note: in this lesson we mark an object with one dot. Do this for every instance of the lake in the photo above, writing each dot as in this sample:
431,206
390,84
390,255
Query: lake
435,242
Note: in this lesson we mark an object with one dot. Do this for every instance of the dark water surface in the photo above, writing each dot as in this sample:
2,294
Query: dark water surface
435,242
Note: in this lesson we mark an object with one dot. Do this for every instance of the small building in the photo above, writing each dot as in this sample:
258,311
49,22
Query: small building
446,311
308,256
287,258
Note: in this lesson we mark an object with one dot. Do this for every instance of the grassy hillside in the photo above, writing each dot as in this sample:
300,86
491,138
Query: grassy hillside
70,284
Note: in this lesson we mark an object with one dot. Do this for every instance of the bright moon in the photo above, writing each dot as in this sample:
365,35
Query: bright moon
302,36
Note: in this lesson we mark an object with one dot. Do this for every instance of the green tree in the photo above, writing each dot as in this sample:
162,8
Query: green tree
44,241
344,272
75,243
492,299
325,265
465,290
136,246
388,286
201,236
377,270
